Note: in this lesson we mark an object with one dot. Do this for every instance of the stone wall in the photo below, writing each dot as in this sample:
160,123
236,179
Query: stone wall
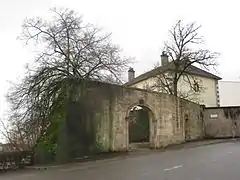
116,102
163,129
101,123
192,115
167,126
222,122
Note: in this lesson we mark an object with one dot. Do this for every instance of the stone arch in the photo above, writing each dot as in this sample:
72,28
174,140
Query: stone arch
149,122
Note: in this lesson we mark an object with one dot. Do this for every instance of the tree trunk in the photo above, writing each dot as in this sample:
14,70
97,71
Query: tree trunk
175,93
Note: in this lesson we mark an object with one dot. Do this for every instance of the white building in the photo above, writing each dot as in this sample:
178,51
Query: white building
228,91
209,95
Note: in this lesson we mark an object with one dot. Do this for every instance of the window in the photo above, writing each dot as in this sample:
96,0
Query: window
196,87
146,86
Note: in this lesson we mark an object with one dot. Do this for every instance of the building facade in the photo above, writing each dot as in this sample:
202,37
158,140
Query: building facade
228,91
207,91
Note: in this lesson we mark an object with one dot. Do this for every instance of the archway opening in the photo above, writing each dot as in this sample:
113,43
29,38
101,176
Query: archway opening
139,124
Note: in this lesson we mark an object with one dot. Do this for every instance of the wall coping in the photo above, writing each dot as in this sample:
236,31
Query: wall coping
222,107
139,89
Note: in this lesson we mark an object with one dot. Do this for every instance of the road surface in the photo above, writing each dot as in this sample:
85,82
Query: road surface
213,162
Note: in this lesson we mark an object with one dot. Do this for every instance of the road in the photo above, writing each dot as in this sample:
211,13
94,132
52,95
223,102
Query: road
213,162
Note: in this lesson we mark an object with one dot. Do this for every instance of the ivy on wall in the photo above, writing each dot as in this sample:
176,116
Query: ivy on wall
232,113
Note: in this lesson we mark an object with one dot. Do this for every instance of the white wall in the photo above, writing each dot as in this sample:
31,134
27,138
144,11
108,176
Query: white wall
228,91
208,97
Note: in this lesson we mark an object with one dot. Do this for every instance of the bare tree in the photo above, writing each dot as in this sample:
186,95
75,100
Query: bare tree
184,49
16,139
70,53
189,88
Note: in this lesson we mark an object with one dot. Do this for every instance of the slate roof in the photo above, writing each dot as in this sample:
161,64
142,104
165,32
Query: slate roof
161,69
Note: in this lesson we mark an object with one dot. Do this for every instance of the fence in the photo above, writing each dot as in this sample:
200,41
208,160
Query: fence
15,160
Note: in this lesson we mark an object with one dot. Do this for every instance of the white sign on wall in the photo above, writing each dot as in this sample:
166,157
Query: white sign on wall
213,116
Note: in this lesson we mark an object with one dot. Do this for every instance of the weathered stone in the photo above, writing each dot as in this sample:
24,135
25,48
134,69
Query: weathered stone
101,123
222,122
193,125
116,101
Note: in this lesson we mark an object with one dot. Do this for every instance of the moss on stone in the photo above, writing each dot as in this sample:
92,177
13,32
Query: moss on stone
232,113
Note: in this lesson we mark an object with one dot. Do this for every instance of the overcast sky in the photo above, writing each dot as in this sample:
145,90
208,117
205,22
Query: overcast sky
138,26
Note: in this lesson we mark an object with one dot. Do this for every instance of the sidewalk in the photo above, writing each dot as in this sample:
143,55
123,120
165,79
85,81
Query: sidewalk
87,161
195,144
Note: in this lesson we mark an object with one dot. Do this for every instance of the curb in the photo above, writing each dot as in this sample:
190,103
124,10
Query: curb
210,143
188,145
132,154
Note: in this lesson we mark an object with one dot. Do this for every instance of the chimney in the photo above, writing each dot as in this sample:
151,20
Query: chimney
164,58
131,74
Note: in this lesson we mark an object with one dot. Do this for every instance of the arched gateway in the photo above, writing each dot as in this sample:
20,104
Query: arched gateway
140,126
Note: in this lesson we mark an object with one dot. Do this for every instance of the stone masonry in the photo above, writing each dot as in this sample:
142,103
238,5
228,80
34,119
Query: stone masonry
115,102
101,122
222,122
192,117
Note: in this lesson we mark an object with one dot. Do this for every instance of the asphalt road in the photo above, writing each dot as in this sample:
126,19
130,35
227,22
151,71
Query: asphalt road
213,162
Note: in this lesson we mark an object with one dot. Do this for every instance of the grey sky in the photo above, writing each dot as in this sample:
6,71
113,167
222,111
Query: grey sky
138,26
